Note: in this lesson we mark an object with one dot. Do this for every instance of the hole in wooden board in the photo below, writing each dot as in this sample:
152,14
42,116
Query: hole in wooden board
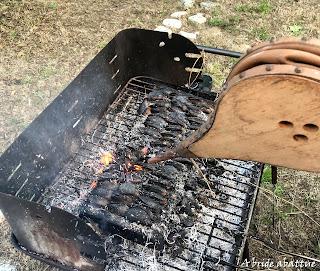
300,138
285,124
310,127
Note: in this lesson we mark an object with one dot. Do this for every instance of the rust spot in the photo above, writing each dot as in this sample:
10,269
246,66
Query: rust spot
44,240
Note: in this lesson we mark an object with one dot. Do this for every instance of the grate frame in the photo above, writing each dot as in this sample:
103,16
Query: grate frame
240,177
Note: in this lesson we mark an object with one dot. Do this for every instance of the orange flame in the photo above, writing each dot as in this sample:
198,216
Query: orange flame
131,167
137,167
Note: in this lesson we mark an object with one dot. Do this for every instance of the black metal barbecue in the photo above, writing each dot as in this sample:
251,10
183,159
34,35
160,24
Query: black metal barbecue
76,188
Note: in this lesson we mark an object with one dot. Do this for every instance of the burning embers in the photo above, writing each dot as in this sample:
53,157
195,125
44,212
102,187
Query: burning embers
131,167
144,202
107,158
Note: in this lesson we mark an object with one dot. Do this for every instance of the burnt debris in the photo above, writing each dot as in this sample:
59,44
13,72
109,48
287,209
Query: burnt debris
161,212
165,191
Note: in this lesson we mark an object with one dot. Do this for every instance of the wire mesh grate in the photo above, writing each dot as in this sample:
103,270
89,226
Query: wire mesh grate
214,242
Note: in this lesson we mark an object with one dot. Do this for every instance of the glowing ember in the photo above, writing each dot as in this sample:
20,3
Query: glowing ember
106,158
137,167
94,184
131,167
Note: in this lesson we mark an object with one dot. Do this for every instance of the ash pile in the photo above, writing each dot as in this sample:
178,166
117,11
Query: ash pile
187,210
152,203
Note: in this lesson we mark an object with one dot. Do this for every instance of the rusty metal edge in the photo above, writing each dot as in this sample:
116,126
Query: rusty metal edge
252,207
15,243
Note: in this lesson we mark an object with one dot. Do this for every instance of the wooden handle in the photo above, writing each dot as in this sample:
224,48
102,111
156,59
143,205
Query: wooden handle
273,118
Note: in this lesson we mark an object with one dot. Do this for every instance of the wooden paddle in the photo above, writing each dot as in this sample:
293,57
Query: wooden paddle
269,113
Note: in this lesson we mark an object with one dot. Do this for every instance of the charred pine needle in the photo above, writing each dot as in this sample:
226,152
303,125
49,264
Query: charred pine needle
202,174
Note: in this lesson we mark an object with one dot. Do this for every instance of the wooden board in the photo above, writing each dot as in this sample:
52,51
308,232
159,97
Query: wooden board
271,118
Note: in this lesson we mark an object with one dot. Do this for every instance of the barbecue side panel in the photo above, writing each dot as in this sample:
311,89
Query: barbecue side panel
36,157
32,162
56,234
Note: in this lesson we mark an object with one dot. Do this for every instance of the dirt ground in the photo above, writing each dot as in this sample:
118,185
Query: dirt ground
44,44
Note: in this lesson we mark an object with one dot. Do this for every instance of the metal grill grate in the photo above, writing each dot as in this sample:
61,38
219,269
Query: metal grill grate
214,242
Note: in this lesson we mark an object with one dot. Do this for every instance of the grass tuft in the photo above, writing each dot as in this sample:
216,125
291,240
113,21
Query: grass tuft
263,7
266,175
53,5
218,22
266,219
14,34
46,72
102,44
243,8
296,30
281,215
216,69
261,33
229,23
279,190
310,199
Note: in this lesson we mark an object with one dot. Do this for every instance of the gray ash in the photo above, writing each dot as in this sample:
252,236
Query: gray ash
155,204
162,217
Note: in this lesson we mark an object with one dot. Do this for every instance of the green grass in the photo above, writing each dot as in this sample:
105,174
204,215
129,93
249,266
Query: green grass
262,7
281,215
279,190
216,12
266,219
261,33
216,70
296,30
28,79
14,34
218,22
102,44
46,72
310,200
243,8
266,175
266,179
17,123
232,61
227,24
53,5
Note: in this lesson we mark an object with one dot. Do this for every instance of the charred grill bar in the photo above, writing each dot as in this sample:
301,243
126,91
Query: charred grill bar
106,208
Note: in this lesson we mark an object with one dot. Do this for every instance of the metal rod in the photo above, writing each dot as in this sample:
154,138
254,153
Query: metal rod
219,51
274,175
